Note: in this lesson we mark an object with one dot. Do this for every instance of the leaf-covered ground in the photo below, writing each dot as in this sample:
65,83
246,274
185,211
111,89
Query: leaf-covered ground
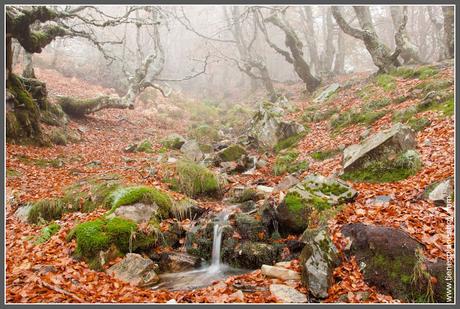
47,273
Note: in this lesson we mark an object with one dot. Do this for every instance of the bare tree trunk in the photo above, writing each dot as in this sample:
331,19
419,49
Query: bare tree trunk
448,13
295,56
339,65
28,71
437,33
328,55
380,53
408,49
9,57
310,38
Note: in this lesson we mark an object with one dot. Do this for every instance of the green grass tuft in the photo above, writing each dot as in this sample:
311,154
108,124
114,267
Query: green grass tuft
47,232
386,81
195,180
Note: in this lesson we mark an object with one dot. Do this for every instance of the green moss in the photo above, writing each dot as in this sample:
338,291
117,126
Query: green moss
289,142
333,189
404,115
324,154
288,163
294,202
447,107
422,72
206,148
194,179
58,137
400,99
142,194
426,72
319,203
434,85
246,195
377,104
231,153
47,232
46,210
386,81
418,124
386,171
316,116
356,117
11,173
145,146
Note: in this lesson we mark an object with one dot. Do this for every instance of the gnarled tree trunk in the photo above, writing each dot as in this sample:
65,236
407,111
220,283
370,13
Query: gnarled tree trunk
408,49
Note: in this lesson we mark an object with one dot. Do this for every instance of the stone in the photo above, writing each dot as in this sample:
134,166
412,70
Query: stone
441,192
267,128
231,153
228,167
391,260
287,294
192,151
171,160
251,255
137,212
22,213
287,182
318,259
173,141
395,140
237,297
261,163
135,270
379,200
250,228
177,262
327,93
280,273
264,189
283,264
315,193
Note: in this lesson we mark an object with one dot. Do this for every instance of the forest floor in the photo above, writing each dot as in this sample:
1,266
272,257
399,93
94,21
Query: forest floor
48,273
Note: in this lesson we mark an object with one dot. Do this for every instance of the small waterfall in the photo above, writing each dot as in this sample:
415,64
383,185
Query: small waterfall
222,218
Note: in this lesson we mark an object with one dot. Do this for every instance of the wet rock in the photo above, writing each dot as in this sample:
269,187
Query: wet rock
186,209
237,297
318,259
192,151
252,255
250,228
327,93
267,128
173,141
248,206
177,262
287,182
241,194
393,262
137,212
287,294
315,193
135,270
280,273
173,234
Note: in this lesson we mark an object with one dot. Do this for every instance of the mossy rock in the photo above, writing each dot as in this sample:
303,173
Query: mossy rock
58,137
173,141
145,146
251,255
205,134
54,116
288,163
98,235
249,228
231,153
386,170
247,194
386,81
139,194
422,72
195,179
289,142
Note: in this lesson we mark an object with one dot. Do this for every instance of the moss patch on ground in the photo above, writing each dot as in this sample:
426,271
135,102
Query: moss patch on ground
386,81
324,154
289,142
47,232
288,163
422,72
195,179
231,153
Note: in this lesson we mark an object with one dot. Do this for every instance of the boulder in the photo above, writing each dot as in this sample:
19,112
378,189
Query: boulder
287,294
231,153
137,212
173,141
315,193
318,259
192,151
135,270
280,272
326,93
177,262
393,262
252,255
250,228
384,144
287,182
267,128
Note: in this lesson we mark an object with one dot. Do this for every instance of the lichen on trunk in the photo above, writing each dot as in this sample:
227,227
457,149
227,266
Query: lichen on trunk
81,107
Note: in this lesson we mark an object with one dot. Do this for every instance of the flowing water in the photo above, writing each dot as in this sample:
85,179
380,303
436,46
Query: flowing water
205,275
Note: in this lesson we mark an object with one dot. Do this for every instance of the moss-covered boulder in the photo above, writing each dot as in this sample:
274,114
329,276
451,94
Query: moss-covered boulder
388,155
252,255
46,210
173,141
192,151
195,179
231,153
205,134
318,260
306,202
98,235
250,228
393,262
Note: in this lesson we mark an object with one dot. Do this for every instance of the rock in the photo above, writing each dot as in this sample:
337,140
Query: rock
250,228
427,142
241,194
287,182
137,212
315,193
237,297
264,189
229,167
267,128
247,206
171,160
365,134
318,259
391,260
177,262
192,151
231,153
135,270
283,264
379,200
440,192
287,294
173,141
326,93
22,213
280,273
186,209
261,163
393,141
252,255
171,301
173,234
